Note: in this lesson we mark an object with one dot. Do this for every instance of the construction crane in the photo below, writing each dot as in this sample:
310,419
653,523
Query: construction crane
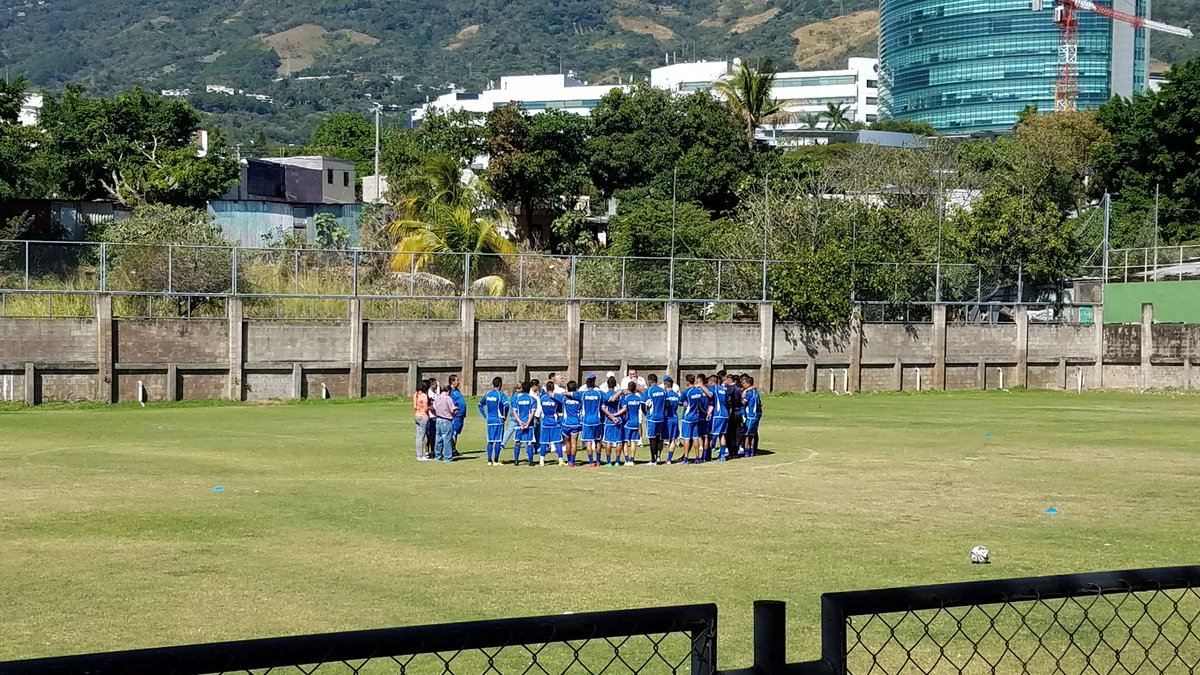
1066,90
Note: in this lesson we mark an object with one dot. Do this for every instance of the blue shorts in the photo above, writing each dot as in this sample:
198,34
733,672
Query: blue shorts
613,434
751,428
525,435
689,429
458,426
720,426
495,433
572,430
655,429
631,435
702,428
672,431
551,435
592,432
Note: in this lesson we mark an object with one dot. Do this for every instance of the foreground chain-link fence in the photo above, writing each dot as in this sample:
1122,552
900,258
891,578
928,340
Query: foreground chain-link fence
1138,621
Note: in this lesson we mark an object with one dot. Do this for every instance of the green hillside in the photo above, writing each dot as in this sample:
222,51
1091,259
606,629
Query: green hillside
401,51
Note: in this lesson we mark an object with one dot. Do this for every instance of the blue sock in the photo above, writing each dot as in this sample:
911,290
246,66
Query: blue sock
516,452
608,457
529,452
558,449
670,456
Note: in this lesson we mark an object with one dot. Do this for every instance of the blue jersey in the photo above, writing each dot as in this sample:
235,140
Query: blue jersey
592,400
720,402
524,404
551,408
656,398
572,408
493,407
632,405
671,407
613,407
753,404
461,402
695,404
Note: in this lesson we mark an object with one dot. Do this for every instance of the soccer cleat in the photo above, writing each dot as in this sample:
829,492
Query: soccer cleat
561,462
722,458
541,461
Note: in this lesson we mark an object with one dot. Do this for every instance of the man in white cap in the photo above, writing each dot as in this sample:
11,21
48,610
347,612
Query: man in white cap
604,384
631,375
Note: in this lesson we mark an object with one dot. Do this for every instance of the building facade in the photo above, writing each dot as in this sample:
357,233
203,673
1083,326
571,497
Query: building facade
854,89
532,93
968,66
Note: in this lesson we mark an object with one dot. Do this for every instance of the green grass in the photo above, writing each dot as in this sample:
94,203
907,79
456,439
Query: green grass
111,535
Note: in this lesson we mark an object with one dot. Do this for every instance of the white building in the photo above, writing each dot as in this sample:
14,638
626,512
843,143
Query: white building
30,110
854,88
533,93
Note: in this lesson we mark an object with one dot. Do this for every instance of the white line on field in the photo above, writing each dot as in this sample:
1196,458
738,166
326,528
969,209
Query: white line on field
812,454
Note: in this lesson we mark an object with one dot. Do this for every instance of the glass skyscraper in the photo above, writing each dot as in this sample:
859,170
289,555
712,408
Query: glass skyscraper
973,65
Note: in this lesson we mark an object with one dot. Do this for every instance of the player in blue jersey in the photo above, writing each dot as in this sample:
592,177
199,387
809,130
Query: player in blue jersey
572,421
695,408
524,407
493,408
719,425
631,405
613,422
704,451
752,407
593,421
656,417
671,410
550,437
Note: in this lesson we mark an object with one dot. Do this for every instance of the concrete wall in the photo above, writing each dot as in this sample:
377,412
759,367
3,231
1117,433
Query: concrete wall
171,359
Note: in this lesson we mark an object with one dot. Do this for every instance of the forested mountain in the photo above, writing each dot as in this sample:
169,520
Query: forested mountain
401,51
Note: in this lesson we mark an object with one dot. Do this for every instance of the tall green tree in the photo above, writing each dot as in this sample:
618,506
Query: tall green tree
347,136
748,93
539,163
837,116
1156,145
456,134
135,148
647,142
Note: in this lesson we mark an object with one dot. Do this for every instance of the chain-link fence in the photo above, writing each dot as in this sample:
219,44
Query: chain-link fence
1145,621
667,640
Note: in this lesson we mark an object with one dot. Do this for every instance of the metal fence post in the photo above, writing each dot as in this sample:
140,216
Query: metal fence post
573,259
719,271
27,265
296,270
770,636
466,274
103,266
671,282
623,277
704,649
764,279
833,636
233,271
354,281
1020,284
170,267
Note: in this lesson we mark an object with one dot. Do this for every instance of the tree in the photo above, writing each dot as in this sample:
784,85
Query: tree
748,94
148,267
22,156
135,148
904,126
1006,233
837,116
1154,147
456,134
441,213
537,162
648,141
644,228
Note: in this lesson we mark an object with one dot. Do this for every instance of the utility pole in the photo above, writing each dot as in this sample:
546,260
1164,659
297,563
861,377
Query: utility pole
1156,230
378,115
1107,214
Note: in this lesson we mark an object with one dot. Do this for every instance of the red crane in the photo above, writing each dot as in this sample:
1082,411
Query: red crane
1066,91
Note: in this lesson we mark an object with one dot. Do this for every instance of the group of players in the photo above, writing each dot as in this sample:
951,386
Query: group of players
711,418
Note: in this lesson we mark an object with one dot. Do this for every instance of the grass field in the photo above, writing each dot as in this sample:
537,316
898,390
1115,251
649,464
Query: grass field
111,535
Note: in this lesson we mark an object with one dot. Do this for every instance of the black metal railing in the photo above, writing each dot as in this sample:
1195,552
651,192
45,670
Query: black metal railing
1137,621
662,640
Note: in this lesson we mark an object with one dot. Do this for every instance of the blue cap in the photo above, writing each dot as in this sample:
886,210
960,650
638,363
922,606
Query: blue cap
667,378
592,376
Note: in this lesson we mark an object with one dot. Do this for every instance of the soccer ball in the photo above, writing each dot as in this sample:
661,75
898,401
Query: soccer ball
979,555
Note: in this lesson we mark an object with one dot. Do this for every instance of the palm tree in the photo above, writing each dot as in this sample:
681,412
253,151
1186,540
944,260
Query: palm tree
442,213
837,116
748,93
811,120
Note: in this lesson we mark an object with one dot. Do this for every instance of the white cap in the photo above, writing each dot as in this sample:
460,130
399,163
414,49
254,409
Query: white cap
611,374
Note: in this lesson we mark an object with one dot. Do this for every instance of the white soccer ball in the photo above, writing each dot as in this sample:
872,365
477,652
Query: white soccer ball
979,555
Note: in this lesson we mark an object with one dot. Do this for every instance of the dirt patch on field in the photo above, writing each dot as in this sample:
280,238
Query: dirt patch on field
210,58
461,37
749,23
829,43
711,23
644,26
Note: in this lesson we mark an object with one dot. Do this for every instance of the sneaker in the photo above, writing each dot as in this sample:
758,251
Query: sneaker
722,459
422,458
561,462
541,461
